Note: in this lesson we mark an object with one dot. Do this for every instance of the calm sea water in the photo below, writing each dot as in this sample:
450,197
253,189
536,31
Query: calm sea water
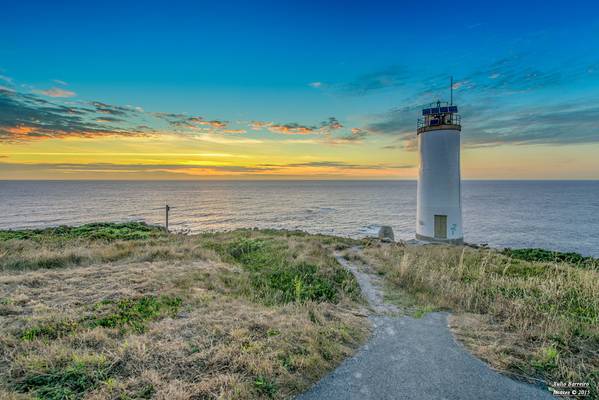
560,215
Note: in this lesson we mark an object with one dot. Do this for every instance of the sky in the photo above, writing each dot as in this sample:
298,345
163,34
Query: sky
295,89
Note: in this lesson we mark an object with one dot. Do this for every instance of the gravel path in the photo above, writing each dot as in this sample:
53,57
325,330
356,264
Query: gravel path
413,358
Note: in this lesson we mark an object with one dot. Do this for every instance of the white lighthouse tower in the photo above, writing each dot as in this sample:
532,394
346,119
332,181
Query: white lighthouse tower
439,207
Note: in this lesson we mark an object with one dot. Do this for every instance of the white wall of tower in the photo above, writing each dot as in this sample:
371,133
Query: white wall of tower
439,183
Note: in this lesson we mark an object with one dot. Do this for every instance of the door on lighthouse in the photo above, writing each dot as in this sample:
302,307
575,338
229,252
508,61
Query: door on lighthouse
440,226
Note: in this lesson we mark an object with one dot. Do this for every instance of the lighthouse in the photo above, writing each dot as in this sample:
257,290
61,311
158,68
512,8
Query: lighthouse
439,204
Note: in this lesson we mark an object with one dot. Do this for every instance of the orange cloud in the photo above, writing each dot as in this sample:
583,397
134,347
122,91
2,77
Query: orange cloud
214,124
291,129
21,133
257,125
20,130
56,92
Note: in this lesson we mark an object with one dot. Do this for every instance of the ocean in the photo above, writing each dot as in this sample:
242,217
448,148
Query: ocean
557,215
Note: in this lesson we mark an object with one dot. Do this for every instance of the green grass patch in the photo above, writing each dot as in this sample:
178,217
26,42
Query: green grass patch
543,255
70,381
95,231
277,277
50,330
133,314
265,387
520,269
546,359
422,311
127,315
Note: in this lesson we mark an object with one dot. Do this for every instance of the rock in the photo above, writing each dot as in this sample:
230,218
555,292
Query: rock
386,234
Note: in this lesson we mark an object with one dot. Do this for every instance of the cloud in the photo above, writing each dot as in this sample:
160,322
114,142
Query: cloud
104,108
109,119
399,122
63,83
344,165
4,89
220,139
6,79
258,125
168,116
487,98
25,117
56,92
185,121
389,77
331,124
556,124
393,76
293,128
134,168
486,124
518,73
356,135
191,170
462,84
303,141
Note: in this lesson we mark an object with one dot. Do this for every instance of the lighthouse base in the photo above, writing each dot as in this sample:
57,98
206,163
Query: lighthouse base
459,241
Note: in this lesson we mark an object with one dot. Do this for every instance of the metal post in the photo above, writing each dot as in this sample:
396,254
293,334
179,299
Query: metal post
167,208
451,92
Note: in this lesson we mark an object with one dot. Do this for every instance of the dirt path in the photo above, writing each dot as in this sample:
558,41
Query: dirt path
413,358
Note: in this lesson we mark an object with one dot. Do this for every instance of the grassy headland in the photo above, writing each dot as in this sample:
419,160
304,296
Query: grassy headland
127,311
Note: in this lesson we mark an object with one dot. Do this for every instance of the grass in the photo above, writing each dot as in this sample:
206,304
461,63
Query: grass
277,276
97,231
244,314
548,256
124,314
69,381
133,314
128,311
529,313
92,244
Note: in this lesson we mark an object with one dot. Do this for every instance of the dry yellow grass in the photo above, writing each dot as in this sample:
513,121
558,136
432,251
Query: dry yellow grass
216,339
534,320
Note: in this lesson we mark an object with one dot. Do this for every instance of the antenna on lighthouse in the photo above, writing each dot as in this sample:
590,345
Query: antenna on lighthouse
451,92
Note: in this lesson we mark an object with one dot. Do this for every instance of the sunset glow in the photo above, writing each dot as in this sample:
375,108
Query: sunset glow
128,111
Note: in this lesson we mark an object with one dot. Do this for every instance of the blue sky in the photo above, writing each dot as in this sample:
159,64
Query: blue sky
527,73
